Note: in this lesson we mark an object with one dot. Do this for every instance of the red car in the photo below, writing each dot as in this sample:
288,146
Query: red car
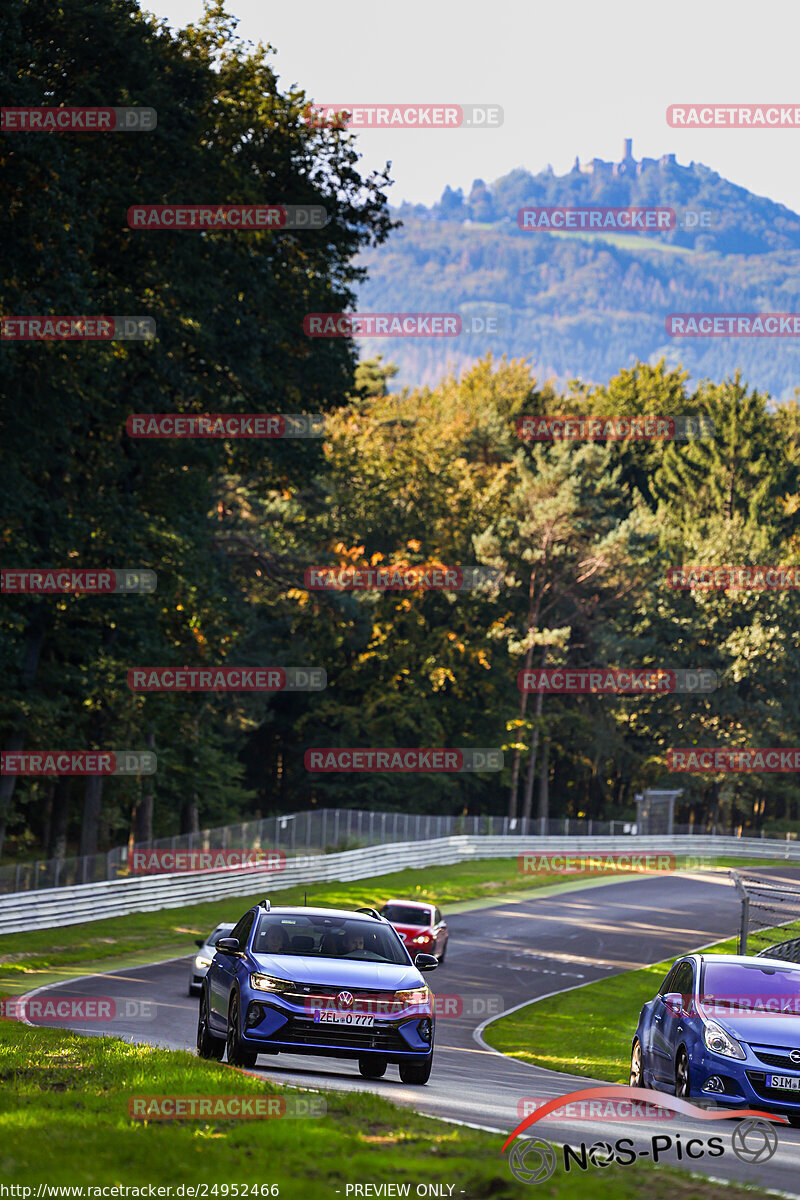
421,926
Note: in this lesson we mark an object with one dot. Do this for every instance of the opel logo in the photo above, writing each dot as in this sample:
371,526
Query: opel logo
344,1000
795,1056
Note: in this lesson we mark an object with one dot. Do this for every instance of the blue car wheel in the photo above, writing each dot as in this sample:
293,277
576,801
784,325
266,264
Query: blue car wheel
237,1055
416,1072
372,1068
637,1071
208,1046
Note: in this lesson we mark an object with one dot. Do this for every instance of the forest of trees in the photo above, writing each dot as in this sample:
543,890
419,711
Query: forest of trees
582,533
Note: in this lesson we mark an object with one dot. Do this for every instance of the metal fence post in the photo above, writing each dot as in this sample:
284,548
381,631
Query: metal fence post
745,915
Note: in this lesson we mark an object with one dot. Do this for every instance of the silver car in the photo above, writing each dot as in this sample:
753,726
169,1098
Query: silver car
202,960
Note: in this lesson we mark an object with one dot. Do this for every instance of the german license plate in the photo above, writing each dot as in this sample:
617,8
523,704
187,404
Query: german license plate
330,1016
790,1083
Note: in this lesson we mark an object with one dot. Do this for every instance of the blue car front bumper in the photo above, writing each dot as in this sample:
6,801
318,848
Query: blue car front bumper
747,1081
271,1025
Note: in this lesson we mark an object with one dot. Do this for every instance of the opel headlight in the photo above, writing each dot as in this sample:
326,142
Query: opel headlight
720,1042
423,937
414,996
202,961
270,983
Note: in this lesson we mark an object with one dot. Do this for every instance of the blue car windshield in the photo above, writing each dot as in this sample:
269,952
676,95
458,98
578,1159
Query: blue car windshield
328,937
751,987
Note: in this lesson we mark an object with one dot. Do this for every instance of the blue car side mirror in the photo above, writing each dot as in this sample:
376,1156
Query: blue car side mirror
426,962
228,945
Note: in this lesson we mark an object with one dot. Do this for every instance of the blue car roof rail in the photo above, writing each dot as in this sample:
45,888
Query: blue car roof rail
371,912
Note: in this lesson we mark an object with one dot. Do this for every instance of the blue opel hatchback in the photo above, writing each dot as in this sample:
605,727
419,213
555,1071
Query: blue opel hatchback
726,1028
321,981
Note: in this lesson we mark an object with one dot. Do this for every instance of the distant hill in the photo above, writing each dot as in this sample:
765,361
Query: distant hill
582,305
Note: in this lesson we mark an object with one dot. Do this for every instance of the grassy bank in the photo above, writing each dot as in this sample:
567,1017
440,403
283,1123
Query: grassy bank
64,1121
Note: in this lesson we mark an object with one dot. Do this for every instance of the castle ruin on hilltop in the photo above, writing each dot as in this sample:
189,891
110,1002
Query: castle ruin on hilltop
627,166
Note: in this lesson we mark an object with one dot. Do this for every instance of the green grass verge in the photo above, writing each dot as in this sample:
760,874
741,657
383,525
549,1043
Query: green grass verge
64,1121
146,937
588,1030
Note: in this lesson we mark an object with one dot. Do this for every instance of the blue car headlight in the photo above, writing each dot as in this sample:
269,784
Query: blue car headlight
270,983
719,1042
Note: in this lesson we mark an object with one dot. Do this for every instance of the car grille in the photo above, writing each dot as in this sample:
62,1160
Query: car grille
364,1000
758,1081
774,1057
311,1033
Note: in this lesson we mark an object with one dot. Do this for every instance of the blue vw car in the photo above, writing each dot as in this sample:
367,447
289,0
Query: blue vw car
320,981
726,1028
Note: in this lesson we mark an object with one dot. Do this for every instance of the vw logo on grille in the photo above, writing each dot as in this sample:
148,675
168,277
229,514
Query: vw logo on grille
344,1000
795,1056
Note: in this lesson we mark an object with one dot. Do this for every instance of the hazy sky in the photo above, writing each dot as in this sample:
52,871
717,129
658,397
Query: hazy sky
573,77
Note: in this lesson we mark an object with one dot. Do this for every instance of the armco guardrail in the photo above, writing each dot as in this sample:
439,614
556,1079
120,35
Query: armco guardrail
788,951
328,831
51,907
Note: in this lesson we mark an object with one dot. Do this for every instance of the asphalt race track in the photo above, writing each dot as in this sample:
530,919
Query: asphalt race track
520,951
